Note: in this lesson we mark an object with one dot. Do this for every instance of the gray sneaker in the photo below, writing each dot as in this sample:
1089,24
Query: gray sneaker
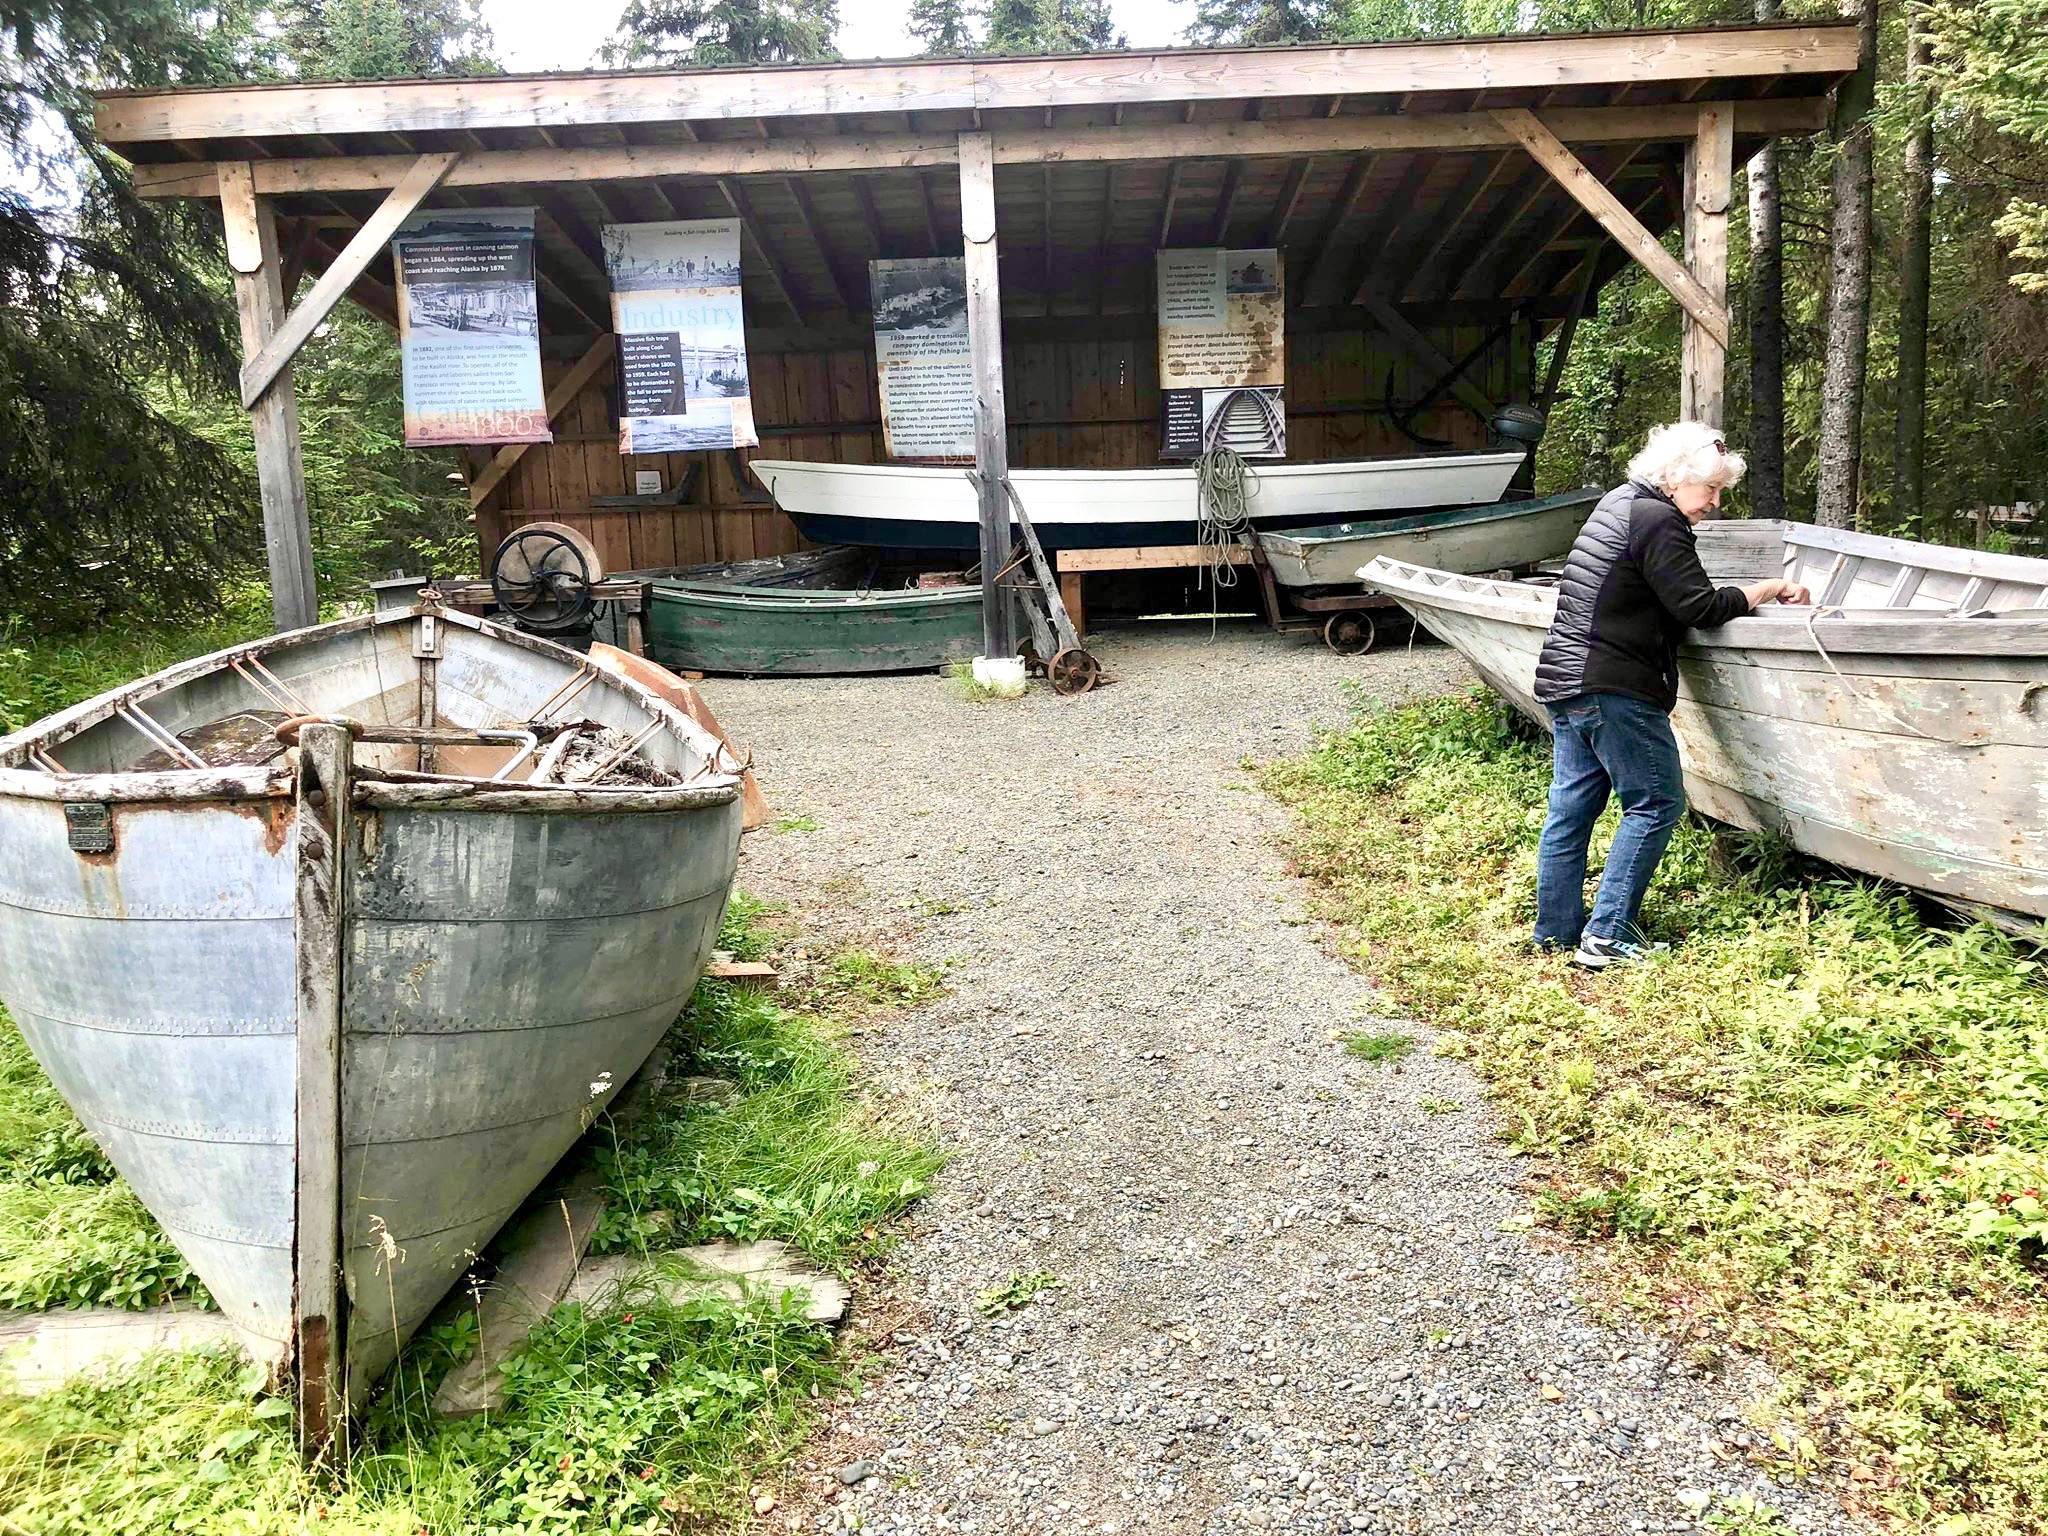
1596,953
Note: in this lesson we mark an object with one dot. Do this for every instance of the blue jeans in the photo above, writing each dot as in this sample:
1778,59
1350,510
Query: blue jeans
1602,742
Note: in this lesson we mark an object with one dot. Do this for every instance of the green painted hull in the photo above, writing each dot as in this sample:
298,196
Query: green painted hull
796,632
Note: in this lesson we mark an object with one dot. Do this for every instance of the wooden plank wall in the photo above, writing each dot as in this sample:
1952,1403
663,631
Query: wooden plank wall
1073,403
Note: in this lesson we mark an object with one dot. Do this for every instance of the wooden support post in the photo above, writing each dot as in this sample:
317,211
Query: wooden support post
1709,312
251,229
985,344
319,1333
1709,183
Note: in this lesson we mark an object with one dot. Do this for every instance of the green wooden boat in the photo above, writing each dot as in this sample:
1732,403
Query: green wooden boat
727,619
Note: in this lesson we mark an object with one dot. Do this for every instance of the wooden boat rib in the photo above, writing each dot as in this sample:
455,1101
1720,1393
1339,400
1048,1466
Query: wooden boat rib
335,1010
1497,536
919,507
1899,728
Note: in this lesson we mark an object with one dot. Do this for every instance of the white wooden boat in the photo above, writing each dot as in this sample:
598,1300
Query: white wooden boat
334,1009
922,507
1898,727
1499,536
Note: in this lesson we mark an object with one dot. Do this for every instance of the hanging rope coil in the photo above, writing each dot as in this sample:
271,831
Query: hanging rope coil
1224,488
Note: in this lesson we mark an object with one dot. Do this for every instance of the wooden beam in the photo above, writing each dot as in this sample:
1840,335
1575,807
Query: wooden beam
1287,202
985,344
1709,183
1526,62
1447,219
1567,216
1571,173
251,229
743,210
1347,200
870,219
276,354
1497,230
1375,268
807,214
931,212
1455,131
1163,239
1226,202
1424,351
1582,293
566,389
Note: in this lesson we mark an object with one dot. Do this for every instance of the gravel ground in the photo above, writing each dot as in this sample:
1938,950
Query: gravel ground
1284,1299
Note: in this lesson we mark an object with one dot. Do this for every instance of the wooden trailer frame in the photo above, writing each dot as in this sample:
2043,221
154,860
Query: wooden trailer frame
1483,156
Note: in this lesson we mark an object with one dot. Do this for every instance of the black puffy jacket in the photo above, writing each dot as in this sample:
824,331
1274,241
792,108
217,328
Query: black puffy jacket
1632,587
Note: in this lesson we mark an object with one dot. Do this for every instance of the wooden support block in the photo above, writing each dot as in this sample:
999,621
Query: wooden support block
1147,557
754,975
1071,596
728,1270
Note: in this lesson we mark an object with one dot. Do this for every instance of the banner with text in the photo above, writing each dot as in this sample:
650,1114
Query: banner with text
1222,354
469,328
922,357
682,336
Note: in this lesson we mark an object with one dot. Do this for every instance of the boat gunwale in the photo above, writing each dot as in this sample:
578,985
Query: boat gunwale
231,784
1841,631
1425,522
785,599
1404,463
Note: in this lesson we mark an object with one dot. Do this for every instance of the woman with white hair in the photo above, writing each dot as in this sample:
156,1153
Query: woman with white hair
1608,675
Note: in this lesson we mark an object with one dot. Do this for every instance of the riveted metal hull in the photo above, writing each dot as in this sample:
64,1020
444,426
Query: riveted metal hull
506,955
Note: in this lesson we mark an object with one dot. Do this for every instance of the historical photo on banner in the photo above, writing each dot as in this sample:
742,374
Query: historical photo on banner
682,336
921,357
469,327
1222,353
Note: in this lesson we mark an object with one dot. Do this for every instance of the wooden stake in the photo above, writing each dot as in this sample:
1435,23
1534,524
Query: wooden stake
985,343
319,1332
274,418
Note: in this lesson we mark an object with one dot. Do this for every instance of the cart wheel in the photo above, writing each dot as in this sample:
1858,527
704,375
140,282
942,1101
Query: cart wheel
1350,634
1073,671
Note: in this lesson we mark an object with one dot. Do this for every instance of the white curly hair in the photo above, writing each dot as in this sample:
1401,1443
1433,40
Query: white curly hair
1686,453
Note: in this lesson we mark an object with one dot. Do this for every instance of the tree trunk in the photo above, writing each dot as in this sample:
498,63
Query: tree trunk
1848,343
1909,442
1766,326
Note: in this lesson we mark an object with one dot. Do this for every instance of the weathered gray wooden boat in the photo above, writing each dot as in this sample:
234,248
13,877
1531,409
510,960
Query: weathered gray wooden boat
337,941
1898,727
1496,536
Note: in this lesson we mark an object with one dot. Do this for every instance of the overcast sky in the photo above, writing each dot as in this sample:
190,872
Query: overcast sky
546,34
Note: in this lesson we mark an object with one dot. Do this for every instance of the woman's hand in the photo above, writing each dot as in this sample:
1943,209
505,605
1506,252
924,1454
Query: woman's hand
1775,591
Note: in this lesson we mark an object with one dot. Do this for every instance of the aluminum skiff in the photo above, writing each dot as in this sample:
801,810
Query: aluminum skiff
1499,536
333,1054
919,507
1899,727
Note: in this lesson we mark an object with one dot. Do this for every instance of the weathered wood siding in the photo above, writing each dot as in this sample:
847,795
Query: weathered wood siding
1089,402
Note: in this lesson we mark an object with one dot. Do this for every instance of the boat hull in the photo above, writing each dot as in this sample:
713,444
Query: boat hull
1504,536
1910,746
917,507
810,633
506,960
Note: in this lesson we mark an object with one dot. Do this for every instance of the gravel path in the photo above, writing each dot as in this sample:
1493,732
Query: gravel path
1284,1299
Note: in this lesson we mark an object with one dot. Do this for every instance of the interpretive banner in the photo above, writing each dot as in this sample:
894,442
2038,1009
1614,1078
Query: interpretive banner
469,327
1222,353
922,357
682,336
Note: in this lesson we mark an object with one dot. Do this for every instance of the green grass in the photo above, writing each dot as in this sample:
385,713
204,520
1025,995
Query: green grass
644,1416
42,674
1378,1049
1015,1292
1816,1128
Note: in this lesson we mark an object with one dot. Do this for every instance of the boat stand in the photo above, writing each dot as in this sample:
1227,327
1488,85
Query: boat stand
1346,619
1028,580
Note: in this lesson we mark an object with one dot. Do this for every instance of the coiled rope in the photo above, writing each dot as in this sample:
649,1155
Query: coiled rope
1224,488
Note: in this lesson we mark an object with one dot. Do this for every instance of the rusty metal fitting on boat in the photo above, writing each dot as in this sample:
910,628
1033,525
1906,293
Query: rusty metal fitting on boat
288,730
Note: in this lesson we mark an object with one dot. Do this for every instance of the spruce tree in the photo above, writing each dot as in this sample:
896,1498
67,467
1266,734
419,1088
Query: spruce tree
945,28
1050,26
714,32
1263,21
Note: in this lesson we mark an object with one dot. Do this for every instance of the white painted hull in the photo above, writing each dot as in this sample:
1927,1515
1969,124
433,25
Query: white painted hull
1906,743
921,506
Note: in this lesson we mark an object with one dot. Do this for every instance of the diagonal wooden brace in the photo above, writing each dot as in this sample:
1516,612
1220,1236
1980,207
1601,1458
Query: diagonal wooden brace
1592,195
262,370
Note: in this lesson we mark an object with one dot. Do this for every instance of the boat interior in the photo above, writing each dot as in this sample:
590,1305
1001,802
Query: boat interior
432,693
1845,569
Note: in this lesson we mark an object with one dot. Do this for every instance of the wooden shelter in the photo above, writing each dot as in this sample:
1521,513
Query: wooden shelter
1438,203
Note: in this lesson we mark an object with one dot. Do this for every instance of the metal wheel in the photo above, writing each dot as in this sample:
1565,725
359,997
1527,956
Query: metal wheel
541,577
1073,671
1350,633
